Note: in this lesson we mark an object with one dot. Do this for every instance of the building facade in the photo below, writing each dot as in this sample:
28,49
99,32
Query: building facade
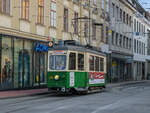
26,26
21,66
120,41
140,26
129,41
140,42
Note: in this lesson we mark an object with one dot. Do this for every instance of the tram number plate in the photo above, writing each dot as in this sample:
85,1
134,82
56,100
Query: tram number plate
71,79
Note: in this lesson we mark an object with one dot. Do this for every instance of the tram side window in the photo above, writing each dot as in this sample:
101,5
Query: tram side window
91,63
72,61
101,64
51,62
80,62
96,63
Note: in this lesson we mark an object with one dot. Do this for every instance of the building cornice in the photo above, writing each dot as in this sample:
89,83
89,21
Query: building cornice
26,35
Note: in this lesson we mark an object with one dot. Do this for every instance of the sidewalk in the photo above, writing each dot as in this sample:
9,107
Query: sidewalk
22,93
31,92
112,85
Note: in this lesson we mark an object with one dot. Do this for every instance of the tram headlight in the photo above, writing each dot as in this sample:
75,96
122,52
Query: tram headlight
56,77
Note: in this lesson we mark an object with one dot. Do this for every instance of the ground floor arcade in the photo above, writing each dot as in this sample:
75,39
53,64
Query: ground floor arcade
139,70
119,67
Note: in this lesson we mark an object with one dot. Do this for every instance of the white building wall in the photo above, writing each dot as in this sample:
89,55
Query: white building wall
140,57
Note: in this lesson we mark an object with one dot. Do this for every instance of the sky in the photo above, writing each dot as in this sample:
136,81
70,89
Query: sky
145,4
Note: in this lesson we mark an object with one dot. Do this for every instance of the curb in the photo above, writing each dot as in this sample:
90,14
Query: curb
111,85
108,87
34,94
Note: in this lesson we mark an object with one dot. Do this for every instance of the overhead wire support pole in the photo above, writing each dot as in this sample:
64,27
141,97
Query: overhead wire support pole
80,21
89,22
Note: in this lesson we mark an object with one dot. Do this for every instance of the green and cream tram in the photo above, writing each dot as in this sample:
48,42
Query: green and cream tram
76,68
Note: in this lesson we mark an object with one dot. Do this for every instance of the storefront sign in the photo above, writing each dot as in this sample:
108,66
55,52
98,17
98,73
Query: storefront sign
50,44
96,78
41,48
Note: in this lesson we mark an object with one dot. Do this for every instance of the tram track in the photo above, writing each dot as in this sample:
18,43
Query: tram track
26,101
52,102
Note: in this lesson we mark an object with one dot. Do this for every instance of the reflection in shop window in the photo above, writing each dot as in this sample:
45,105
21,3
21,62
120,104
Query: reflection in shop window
40,69
6,63
28,48
18,46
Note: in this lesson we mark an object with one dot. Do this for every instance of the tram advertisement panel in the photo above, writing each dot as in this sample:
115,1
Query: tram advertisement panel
96,78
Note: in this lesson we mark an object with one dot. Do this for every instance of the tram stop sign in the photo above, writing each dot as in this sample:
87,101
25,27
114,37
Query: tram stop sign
50,44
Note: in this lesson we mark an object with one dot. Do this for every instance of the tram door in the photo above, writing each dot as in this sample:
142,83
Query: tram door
24,69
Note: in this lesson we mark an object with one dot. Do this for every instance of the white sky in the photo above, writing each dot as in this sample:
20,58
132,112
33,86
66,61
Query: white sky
145,3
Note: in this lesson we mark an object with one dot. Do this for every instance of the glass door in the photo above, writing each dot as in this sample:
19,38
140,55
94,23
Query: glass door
24,69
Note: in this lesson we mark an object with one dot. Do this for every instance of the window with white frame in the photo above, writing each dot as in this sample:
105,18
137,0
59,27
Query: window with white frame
5,6
94,2
102,4
107,5
53,13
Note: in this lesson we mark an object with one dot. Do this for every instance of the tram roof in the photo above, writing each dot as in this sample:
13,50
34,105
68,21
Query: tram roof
77,48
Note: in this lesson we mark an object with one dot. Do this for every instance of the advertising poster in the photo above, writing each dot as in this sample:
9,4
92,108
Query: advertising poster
96,78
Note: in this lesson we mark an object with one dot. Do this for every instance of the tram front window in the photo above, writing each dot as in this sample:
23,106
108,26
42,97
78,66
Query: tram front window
57,62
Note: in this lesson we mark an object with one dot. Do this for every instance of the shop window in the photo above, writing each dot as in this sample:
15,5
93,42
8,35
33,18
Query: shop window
96,63
102,64
23,70
40,68
72,61
91,63
6,63
80,62
28,68
18,47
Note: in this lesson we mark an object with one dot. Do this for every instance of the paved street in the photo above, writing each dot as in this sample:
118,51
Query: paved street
133,98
